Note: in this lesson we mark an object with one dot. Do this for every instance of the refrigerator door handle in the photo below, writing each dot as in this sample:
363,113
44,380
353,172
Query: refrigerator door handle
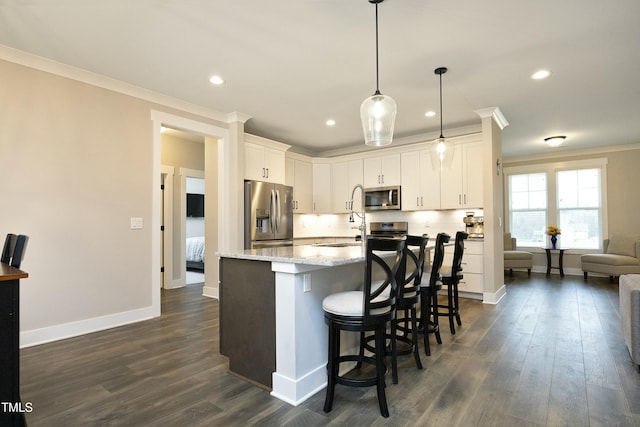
271,211
278,210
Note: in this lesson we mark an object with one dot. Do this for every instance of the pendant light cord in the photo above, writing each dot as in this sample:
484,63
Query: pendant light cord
377,70
441,136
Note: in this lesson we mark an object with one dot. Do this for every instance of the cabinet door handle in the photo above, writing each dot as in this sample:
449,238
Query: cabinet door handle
267,173
465,199
382,179
417,201
421,201
459,199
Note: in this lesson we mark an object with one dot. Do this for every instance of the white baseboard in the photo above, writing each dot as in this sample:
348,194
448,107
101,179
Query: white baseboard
81,327
494,297
211,292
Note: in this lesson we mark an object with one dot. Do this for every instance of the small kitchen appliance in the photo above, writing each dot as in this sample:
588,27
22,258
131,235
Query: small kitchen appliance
474,225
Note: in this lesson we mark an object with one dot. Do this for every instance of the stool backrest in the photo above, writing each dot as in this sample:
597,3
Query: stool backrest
381,300
13,250
458,251
438,257
414,266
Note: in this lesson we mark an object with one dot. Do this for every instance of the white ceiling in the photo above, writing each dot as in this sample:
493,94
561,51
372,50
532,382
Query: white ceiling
292,64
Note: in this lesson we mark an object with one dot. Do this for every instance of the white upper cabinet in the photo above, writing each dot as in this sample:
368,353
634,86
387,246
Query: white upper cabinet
462,185
420,182
299,175
382,171
264,163
322,188
344,176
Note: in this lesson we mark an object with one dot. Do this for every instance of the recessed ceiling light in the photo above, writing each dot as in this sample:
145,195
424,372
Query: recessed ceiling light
216,80
540,74
554,141
430,114
330,122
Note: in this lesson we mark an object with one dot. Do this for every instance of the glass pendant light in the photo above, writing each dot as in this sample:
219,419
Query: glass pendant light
441,148
378,112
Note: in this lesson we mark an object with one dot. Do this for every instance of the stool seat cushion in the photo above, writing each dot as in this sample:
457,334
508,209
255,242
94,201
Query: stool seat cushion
517,255
350,303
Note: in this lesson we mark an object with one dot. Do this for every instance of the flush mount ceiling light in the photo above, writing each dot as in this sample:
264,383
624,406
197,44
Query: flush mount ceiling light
378,112
442,148
554,141
330,122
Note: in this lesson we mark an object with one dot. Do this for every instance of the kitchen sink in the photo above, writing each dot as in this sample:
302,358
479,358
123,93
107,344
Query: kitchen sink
338,245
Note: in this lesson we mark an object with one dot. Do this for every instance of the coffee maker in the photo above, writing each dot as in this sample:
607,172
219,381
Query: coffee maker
474,225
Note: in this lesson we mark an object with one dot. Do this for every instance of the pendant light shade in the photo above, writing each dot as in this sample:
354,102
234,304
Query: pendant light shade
378,112
441,148
378,115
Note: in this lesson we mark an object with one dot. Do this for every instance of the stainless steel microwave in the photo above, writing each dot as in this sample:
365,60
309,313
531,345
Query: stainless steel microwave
382,198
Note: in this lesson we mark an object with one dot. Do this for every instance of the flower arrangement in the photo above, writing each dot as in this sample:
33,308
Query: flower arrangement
553,230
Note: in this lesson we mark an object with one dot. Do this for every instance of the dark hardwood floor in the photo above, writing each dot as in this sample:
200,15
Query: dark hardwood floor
550,354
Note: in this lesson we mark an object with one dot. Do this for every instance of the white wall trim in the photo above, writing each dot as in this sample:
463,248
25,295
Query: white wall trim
162,118
211,292
78,74
85,326
494,297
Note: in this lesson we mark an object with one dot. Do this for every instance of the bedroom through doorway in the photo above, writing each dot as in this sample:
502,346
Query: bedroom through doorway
194,230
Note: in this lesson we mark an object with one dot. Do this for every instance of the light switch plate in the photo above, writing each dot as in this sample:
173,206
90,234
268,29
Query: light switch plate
136,223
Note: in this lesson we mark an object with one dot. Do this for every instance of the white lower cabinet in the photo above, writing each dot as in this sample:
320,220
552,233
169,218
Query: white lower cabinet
472,265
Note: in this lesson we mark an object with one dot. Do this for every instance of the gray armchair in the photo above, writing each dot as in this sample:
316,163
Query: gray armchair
621,255
514,258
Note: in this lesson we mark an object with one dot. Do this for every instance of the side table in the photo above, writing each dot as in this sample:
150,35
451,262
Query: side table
560,256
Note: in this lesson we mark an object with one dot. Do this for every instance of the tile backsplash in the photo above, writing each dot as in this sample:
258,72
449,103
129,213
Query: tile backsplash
420,222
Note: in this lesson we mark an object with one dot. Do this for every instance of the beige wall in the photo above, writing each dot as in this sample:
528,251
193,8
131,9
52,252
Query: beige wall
182,153
77,164
623,193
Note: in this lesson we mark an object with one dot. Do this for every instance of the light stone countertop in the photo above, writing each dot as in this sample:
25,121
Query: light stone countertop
304,254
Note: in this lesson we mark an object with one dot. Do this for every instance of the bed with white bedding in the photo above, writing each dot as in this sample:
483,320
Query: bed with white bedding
195,253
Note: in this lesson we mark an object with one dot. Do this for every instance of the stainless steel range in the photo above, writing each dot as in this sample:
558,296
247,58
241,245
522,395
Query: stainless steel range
389,229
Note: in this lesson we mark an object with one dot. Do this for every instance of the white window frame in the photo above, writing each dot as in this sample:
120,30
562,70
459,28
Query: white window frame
552,207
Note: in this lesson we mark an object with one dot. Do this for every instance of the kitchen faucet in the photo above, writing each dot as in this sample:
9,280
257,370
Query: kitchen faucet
363,226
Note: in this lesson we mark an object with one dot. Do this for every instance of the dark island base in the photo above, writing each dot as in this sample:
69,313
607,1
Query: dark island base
248,319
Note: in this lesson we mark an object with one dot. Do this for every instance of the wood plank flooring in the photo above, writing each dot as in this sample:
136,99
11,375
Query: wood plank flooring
550,354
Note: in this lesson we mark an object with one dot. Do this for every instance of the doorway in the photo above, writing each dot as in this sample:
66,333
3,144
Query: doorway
213,139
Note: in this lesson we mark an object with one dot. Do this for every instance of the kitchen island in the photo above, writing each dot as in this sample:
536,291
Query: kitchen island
271,319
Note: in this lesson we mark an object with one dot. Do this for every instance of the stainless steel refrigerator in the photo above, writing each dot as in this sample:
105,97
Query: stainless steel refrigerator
268,215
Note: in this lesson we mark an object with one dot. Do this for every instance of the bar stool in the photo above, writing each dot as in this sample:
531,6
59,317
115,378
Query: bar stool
429,296
451,278
367,310
405,322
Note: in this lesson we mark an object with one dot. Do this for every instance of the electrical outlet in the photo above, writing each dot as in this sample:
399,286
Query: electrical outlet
306,282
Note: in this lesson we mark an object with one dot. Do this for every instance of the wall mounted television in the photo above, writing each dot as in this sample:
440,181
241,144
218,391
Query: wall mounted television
195,205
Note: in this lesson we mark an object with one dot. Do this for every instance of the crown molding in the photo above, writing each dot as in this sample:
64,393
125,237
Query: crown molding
571,153
495,113
67,71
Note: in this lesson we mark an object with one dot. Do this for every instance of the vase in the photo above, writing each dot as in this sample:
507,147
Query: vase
554,239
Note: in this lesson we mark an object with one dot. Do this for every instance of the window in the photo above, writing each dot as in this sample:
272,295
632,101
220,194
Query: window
570,195
528,207
579,208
